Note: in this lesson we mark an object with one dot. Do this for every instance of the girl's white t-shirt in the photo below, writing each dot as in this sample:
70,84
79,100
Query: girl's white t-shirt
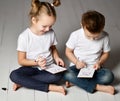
88,50
35,45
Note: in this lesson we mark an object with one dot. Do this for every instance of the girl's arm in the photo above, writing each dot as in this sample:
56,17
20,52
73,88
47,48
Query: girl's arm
23,61
56,57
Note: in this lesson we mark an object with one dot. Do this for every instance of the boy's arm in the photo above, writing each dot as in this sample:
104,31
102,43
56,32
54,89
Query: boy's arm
103,58
23,61
70,55
79,63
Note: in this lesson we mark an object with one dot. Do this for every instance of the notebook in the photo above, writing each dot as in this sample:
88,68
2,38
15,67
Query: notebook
53,68
86,72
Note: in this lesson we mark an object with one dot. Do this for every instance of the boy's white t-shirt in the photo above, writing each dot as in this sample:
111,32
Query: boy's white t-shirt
35,45
88,50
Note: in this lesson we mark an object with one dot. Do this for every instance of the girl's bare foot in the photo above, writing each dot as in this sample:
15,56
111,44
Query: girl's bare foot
68,84
56,88
106,88
16,86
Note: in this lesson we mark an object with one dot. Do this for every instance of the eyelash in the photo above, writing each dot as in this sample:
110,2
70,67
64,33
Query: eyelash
46,26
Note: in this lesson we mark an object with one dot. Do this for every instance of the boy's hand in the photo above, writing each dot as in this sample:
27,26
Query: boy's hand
80,64
97,66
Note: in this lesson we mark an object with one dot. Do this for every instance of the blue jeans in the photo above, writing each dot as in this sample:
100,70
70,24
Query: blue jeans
33,78
102,76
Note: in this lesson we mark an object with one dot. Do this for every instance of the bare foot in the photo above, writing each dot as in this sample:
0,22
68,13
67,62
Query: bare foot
56,88
68,84
16,86
106,88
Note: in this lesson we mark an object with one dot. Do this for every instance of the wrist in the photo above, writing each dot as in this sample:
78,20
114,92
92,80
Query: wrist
76,62
99,63
36,62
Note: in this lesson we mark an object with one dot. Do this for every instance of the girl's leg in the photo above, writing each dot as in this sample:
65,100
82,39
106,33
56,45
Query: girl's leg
52,80
35,79
56,88
23,77
16,86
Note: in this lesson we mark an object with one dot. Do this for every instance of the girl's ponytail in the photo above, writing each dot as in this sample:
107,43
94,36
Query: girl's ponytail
38,8
56,3
35,4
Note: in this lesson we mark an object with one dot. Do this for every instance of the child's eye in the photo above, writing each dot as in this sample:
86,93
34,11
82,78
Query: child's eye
44,26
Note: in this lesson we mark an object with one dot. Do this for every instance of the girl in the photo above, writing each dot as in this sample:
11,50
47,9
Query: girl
34,43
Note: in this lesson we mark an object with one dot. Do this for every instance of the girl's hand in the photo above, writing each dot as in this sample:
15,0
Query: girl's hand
80,64
41,62
97,66
59,62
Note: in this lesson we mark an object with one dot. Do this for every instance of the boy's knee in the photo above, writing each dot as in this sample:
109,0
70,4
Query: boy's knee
68,76
108,78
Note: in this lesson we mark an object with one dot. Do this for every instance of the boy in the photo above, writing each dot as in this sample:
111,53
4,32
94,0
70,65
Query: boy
89,46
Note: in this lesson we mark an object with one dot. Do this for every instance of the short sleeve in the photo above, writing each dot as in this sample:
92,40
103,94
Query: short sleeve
106,47
71,41
54,39
22,44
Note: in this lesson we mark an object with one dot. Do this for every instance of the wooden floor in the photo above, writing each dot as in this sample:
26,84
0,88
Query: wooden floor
14,19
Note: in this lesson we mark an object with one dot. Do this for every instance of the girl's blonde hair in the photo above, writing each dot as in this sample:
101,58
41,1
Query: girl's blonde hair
38,8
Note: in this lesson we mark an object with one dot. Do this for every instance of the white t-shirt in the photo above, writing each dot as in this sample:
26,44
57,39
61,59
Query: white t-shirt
35,45
88,50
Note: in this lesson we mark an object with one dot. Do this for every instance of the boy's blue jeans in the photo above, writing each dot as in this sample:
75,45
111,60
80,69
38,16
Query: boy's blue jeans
102,76
34,78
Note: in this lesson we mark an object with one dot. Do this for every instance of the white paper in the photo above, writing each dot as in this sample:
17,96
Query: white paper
53,68
86,72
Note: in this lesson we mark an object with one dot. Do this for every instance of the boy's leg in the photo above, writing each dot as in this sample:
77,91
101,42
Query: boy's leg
105,88
86,84
104,78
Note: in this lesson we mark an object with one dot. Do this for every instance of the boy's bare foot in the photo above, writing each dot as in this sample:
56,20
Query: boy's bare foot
68,84
16,86
106,88
56,88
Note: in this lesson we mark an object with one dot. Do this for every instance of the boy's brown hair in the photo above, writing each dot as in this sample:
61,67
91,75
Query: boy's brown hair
93,21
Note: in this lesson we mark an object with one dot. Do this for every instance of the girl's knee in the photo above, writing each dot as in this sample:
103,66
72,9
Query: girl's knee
14,75
55,78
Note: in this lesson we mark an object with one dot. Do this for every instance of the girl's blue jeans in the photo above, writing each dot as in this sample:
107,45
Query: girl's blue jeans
102,76
33,78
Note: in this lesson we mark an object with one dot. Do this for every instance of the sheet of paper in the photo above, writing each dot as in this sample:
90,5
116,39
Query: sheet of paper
86,72
53,68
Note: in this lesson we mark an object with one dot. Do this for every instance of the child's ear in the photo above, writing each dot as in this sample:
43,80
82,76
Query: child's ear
33,20
81,25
